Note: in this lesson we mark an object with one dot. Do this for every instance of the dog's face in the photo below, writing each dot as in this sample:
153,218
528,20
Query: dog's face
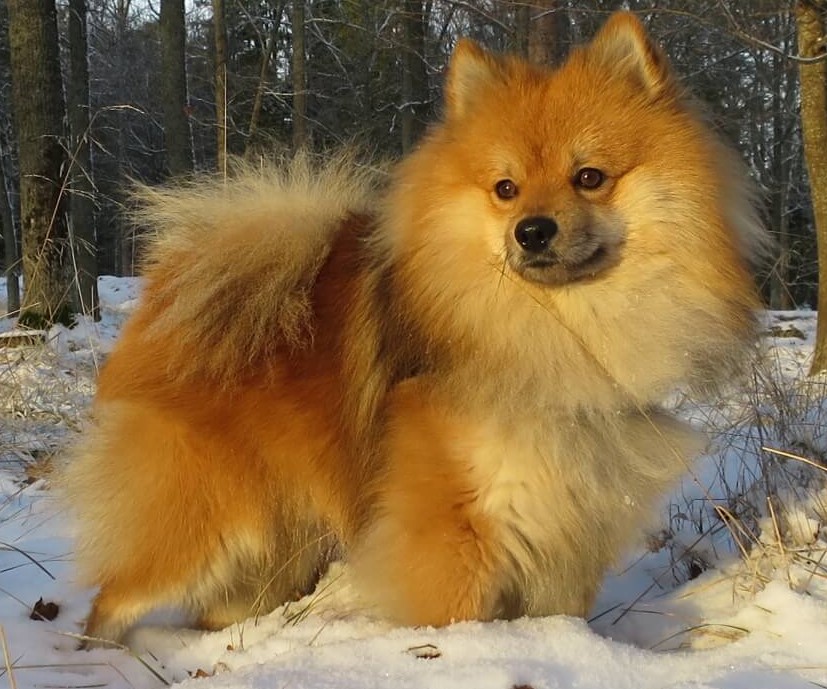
551,155
552,219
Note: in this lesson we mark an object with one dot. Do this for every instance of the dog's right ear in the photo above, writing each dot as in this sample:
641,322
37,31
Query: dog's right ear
624,49
470,69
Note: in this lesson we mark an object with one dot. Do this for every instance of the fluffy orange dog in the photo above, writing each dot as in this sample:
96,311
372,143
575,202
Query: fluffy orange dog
451,380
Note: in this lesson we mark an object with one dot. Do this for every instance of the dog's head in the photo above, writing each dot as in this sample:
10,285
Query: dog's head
559,176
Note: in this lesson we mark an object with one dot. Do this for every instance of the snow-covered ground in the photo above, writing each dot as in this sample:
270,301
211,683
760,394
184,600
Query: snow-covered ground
727,590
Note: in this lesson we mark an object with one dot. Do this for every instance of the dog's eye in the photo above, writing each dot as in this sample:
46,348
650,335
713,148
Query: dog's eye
589,178
506,189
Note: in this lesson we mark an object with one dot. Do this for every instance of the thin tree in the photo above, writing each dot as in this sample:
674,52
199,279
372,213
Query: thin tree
538,30
177,138
11,254
82,205
255,114
39,110
299,76
220,31
781,160
810,24
415,101
267,50
11,268
522,18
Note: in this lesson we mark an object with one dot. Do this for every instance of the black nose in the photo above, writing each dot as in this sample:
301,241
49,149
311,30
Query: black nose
535,234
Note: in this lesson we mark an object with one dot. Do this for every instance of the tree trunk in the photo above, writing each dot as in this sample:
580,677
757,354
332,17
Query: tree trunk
264,68
780,161
220,30
522,20
299,76
255,114
813,75
544,32
780,155
177,136
82,206
37,96
11,269
124,244
414,74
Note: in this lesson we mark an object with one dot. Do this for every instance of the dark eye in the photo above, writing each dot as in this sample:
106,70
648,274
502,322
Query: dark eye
506,189
589,178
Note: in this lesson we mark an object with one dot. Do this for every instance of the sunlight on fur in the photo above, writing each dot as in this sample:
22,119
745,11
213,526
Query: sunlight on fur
452,377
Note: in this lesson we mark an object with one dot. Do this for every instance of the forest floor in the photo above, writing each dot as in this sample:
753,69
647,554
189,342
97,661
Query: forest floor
727,590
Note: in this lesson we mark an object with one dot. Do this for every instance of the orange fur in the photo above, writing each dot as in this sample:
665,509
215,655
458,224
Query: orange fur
388,373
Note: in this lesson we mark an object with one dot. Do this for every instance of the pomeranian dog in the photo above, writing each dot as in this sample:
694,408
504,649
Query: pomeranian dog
451,379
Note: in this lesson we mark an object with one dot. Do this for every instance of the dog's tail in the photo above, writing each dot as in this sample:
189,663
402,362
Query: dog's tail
230,262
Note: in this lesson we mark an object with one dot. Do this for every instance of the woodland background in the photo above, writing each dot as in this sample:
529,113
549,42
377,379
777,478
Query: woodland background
97,93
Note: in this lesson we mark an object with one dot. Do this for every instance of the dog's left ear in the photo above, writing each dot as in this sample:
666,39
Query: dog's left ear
623,47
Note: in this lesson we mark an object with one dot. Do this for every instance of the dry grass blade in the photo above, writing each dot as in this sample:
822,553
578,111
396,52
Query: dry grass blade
17,550
798,458
111,644
318,596
730,631
7,658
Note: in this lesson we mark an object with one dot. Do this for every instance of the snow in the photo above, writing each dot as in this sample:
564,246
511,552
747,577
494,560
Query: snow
698,605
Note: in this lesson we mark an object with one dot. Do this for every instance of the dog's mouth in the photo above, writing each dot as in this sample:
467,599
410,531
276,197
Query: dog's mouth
555,268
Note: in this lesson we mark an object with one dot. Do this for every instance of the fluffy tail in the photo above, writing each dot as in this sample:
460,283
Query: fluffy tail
231,262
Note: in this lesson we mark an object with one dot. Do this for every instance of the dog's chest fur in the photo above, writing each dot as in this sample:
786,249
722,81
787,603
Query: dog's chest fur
559,491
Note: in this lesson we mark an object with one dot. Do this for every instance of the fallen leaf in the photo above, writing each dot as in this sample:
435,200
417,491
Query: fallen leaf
42,611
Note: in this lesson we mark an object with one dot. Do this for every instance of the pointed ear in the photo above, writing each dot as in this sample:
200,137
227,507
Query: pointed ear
470,69
623,47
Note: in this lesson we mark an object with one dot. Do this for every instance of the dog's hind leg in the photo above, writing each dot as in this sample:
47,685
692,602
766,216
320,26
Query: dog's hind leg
286,567
168,514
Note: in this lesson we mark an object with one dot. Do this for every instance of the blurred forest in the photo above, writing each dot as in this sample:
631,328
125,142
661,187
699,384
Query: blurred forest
262,75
